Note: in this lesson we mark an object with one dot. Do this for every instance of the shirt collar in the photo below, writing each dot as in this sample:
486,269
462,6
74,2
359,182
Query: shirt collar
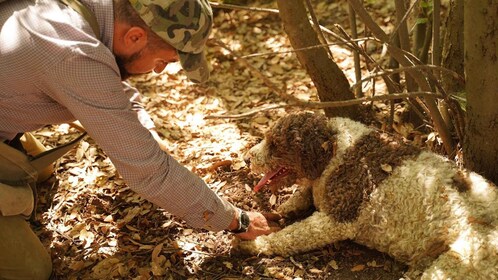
104,12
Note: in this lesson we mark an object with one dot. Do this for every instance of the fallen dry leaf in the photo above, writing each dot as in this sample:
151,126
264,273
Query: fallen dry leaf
358,267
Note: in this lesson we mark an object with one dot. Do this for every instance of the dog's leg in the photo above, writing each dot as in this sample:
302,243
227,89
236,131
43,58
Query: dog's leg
311,233
299,202
450,266
472,257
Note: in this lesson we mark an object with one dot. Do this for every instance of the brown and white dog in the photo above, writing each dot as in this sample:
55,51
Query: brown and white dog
413,204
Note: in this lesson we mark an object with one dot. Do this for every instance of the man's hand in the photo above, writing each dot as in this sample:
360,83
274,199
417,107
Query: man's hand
260,225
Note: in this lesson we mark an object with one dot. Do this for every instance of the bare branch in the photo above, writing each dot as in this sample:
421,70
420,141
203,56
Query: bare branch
329,104
436,23
455,75
356,54
403,20
421,80
317,28
237,7
309,48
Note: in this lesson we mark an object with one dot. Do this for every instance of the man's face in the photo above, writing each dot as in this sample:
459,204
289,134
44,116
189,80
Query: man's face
146,60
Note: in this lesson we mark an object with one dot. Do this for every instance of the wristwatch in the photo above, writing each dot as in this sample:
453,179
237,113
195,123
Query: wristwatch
244,222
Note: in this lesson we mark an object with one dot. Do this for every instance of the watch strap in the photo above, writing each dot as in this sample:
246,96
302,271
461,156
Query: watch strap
243,221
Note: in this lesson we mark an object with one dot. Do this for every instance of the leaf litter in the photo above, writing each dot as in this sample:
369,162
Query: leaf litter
97,228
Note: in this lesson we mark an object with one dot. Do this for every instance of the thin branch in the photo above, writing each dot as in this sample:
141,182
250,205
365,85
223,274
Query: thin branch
356,54
441,127
317,28
404,38
390,84
237,7
309,48
436,33
403,20
455,75
328,104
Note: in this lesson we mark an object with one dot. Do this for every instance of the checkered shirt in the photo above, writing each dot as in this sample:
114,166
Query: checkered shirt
53,70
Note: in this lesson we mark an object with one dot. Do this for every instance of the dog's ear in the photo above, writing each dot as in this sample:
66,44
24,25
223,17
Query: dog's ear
302,140
317,150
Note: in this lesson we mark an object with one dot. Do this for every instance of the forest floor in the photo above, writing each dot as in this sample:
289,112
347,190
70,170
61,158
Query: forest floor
97,228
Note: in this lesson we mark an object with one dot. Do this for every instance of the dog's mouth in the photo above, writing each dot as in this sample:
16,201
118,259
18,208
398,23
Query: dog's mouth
271,177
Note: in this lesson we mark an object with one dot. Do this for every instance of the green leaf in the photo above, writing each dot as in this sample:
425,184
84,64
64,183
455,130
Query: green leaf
461,98
422,20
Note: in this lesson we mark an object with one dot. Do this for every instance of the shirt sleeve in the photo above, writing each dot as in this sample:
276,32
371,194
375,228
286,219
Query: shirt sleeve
92,91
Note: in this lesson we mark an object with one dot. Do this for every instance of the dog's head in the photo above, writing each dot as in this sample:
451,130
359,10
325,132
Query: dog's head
297,146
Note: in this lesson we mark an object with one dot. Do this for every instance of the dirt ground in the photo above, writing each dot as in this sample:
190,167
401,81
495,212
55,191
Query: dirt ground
97,228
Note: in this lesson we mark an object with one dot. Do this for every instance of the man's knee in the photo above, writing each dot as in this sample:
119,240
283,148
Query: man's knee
36,267
42,268
22,255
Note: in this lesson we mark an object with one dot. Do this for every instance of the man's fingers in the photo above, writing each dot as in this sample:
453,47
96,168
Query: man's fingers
275,229
272,216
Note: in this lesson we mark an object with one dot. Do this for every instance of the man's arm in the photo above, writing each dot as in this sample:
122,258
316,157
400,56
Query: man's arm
143,115
258,223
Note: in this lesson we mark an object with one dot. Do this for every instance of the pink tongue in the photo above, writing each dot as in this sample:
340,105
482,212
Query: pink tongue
265,179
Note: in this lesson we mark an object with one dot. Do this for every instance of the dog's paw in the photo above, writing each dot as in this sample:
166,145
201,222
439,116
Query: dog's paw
250,247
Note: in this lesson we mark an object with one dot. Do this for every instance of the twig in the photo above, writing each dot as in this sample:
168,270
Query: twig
328,104
436,22
455,75
404,39
317,28
441,128
356,54
237,7
403,20
392,87
309,48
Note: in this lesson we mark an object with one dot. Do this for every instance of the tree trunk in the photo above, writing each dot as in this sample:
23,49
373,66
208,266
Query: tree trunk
453,48
481,68
329,80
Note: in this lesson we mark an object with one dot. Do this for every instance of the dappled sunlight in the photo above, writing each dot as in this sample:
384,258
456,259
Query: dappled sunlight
438,273
465,246
234,45
13,42
192,121
101,229
278,44
481,188
172,68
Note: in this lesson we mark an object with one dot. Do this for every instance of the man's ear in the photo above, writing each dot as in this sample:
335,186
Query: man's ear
135,39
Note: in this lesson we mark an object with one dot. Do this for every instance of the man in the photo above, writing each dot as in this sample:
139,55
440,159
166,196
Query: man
60,63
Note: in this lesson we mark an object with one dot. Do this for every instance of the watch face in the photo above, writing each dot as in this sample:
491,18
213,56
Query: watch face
244,221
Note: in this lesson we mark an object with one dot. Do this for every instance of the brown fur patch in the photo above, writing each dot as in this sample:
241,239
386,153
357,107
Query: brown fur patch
365,166
302,142
461,181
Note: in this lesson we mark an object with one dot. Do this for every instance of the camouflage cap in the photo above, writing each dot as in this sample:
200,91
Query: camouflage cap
185,25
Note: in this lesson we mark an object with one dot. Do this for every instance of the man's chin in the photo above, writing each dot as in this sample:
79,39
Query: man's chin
125,75
123,71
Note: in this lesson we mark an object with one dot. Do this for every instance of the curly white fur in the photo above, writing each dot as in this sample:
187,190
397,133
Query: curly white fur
417,215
